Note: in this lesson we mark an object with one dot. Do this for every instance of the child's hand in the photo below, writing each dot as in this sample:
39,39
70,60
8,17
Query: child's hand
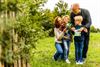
73,28
81,29
85,30
65,37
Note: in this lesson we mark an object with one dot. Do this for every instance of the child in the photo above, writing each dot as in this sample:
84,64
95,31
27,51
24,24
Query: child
78,38
59,33
67,38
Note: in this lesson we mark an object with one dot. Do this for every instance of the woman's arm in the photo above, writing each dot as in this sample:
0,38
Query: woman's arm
58,35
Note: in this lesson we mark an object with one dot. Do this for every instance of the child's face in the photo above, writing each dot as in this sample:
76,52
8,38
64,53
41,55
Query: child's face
77,22
66,19
63,24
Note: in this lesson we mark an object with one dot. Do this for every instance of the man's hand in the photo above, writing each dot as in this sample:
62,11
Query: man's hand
85,30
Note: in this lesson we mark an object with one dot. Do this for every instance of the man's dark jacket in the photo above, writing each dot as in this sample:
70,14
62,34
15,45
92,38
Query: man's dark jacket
86,17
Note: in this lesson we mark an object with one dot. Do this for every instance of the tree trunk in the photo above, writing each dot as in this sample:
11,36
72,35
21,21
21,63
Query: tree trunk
23,63
15,63
19,63
27,63
0,55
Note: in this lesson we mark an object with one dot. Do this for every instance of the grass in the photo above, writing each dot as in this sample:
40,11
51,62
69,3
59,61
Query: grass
42,55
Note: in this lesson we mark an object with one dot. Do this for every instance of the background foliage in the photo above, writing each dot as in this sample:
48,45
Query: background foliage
20,33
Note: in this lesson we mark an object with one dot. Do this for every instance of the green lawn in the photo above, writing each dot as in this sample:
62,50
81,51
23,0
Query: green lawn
42,56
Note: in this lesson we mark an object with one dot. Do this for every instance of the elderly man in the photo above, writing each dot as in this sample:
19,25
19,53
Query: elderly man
76,11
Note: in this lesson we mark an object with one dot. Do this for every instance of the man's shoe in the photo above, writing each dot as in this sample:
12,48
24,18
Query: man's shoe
84,60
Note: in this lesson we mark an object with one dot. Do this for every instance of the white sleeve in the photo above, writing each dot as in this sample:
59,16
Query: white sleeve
57,34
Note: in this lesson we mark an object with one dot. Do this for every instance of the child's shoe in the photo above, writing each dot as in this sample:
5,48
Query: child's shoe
77,62
67,61
80,62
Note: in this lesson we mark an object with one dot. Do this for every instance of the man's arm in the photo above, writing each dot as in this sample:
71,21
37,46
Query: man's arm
88,18
72,19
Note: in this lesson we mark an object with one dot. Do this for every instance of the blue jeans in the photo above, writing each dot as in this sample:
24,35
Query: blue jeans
59,52
66,48
78,50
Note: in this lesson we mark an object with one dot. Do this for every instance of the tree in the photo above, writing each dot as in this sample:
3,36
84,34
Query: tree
62,8
98,30
22,31
93,29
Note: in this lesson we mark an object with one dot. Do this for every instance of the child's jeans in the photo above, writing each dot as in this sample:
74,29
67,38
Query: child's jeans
59,52
66,48
78,50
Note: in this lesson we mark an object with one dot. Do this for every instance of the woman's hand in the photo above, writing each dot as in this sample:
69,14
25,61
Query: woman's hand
64,30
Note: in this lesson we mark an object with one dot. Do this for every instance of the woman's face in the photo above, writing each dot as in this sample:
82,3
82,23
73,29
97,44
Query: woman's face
59,20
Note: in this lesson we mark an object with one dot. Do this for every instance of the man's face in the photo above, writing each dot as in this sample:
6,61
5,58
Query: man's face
75,7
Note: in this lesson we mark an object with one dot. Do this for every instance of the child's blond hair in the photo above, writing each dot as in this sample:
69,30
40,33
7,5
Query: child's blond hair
78,18
66,16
